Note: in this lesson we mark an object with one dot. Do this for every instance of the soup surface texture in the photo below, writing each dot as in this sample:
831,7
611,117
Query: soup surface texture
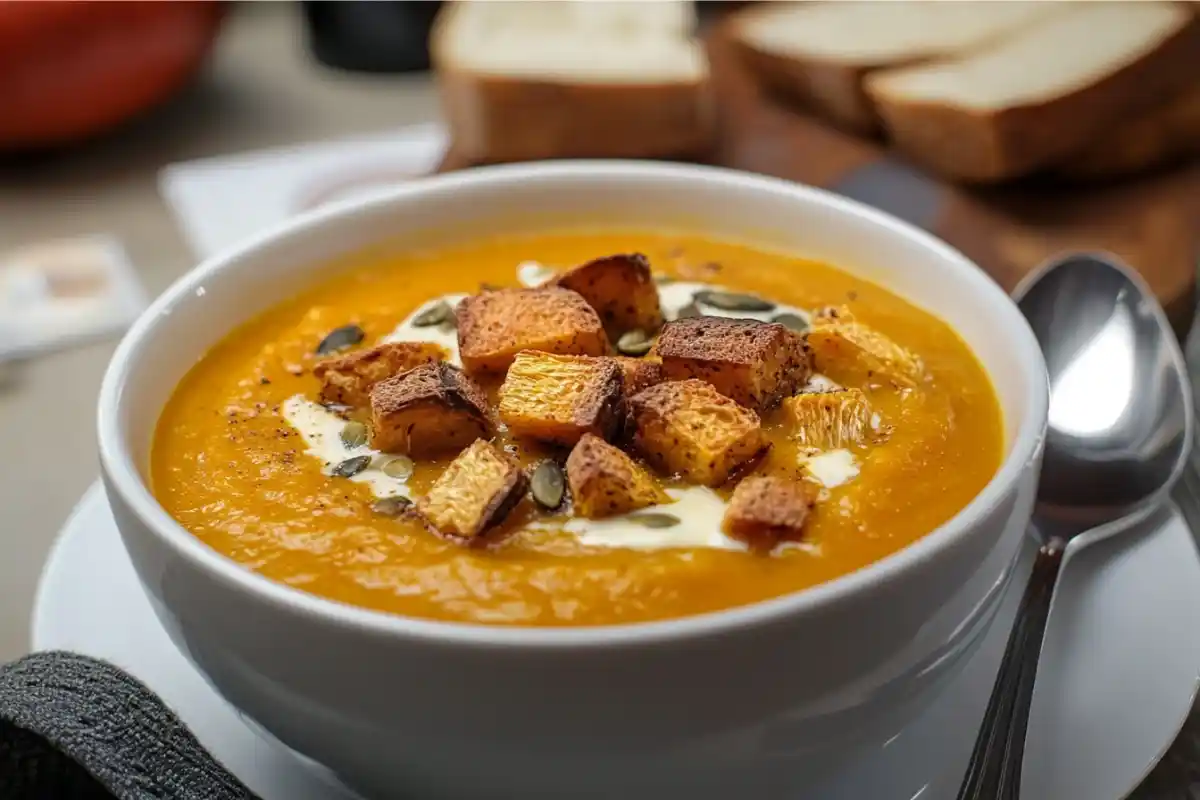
244,453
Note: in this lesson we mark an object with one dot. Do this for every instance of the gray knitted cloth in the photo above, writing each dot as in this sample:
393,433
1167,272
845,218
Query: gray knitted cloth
74,728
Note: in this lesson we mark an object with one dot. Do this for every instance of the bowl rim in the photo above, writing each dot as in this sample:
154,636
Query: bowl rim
122,475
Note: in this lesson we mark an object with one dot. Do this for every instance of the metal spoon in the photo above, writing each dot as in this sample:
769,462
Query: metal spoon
1119,435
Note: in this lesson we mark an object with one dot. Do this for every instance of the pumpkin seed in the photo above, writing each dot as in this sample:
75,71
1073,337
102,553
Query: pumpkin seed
340,409
634,343
654,519
354,434
791,321
351,467
732,301
399,467
688,311
436,314
391,506
548,485
340,339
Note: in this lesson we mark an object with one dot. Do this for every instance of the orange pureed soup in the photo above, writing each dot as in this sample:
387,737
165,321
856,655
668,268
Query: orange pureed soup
244,456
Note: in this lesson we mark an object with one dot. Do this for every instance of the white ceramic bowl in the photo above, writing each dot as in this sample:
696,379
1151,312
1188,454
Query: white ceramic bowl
744,702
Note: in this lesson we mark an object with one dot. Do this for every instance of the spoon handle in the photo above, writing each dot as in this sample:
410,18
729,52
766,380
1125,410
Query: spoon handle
994,772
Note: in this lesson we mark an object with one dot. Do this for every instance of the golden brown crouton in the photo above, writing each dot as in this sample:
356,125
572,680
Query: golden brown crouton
639,372
829,420
604,481
766,510
349,379
621,290
851,352
689,428
755,363
475,492
493,327
560,398
428,410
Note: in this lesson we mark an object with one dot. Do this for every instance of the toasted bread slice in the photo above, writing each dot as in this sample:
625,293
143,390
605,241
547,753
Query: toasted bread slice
560,398
1044,92
755,363
621,290
766,510
819,53
690,429
349,379
428,410
476,492
639,372
604,481
524,81
856,354
831,420
494,326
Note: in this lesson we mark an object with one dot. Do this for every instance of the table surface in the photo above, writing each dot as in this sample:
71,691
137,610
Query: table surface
260,90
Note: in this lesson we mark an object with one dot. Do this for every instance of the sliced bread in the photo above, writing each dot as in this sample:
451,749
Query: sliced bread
1040,93
819,52
522,81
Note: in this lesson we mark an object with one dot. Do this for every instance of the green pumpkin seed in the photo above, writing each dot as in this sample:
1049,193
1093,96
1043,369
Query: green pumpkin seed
340,339
732,301
436,314
791,321
391,506
354,434
689,311
400,468
654,519
547,485
351,467
634,343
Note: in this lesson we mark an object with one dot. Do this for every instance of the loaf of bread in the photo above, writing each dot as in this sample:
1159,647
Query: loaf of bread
1042,93
525,80
819,52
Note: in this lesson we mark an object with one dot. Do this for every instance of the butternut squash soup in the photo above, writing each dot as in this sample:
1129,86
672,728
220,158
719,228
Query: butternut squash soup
576,428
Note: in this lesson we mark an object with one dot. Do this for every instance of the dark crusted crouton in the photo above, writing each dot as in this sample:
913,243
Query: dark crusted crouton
604,481
755,363
427,410
476,492
639,372
830,420
349,379
689,428
766,510
493,327
560,398
621,290
851,352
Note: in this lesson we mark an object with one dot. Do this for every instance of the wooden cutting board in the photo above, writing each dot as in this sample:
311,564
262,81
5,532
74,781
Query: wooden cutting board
1152,222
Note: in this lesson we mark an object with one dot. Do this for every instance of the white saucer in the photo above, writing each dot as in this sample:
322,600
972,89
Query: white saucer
1117,678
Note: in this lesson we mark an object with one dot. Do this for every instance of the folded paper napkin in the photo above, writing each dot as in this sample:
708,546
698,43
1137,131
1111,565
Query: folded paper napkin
74,728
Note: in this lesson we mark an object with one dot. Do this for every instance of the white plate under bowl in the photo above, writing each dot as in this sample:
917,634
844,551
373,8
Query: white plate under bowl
1117,678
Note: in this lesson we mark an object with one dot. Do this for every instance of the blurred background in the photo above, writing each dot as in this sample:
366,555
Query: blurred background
138,138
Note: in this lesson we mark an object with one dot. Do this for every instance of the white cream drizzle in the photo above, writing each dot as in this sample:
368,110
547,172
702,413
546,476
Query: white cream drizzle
698,508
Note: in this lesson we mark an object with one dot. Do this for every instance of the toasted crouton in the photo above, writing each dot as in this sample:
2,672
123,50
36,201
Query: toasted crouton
494,326
350,378
560,398
639,372
766,510
428,410
621,290
475,492
604,481
831,420
755,363
691,429
854,353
